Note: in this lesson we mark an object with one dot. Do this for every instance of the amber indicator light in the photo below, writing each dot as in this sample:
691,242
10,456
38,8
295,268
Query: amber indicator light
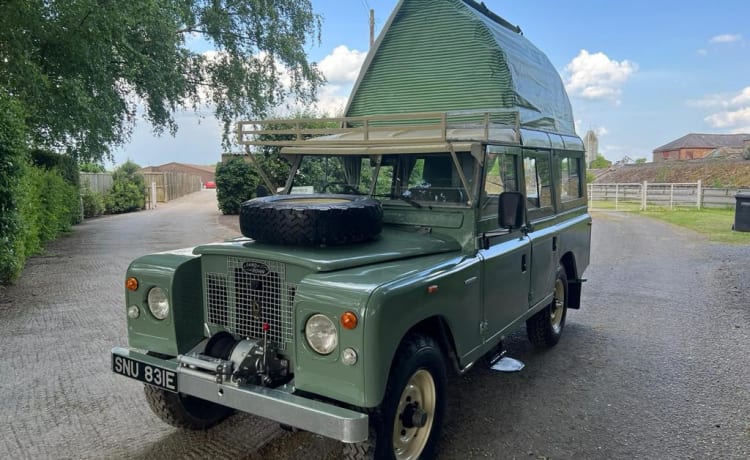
349,320
432,289
131,284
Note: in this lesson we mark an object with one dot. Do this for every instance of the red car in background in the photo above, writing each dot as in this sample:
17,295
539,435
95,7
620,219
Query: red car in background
209,184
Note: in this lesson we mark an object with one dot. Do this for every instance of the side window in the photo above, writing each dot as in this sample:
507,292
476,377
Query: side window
537,173
571,183
501,175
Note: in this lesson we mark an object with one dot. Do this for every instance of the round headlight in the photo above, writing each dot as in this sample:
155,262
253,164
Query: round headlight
321,334
158,303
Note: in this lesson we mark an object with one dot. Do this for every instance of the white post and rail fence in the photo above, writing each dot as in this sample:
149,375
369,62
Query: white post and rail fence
645,195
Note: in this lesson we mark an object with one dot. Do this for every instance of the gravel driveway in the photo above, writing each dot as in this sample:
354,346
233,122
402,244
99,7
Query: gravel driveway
655,365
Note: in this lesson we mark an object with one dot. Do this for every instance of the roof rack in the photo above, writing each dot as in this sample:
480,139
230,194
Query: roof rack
403,128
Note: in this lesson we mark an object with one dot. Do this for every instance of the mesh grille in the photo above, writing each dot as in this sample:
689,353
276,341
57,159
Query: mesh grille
251,293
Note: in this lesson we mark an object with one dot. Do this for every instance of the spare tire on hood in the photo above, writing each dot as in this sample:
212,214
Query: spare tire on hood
311,220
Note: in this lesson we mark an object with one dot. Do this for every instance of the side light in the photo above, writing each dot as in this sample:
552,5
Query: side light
349,356
134,312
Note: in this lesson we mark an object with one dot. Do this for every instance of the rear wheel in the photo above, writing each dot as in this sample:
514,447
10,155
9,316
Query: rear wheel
407,424
545,328
183,411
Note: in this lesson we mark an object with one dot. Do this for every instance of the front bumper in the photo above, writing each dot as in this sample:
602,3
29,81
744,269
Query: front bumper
279,405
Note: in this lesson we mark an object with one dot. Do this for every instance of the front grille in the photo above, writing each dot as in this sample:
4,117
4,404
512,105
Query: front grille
248,295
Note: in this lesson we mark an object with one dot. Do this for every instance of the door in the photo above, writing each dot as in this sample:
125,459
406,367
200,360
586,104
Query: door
540,199
506,263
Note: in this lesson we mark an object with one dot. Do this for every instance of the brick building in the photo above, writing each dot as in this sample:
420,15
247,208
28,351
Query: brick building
695,146
206,172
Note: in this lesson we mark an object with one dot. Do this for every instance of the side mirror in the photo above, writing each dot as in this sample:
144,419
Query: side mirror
511,210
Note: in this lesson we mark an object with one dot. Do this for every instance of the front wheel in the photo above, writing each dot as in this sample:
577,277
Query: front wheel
408,422
545,328
184,411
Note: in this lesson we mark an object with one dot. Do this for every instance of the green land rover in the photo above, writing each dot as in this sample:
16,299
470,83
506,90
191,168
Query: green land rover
403,246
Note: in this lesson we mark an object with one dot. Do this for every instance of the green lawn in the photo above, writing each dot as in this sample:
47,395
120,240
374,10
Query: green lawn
716,224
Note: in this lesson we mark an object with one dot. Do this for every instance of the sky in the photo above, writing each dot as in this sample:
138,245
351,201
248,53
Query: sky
639,73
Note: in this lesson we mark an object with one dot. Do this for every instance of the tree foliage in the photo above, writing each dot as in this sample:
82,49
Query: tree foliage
600,163
82,69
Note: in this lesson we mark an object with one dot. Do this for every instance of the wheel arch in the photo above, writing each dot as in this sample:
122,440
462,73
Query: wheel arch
435,327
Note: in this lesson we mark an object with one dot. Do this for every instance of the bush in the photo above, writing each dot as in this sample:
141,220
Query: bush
236,182
93,202
128,192
12,158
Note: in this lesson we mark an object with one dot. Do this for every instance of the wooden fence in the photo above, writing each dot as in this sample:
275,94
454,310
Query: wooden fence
166,185
642,196
98,182
170,185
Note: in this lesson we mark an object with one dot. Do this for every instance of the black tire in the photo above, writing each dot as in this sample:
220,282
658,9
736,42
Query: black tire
311,220
545,328
183,411
417,358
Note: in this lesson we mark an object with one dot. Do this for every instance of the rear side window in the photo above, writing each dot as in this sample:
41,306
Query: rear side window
571,178
537,174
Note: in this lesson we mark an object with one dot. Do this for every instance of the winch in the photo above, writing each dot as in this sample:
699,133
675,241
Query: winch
249,360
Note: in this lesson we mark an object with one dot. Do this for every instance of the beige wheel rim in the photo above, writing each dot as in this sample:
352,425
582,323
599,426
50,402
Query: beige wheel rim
558,306
409,441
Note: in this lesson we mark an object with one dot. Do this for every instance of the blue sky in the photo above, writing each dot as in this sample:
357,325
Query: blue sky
639,73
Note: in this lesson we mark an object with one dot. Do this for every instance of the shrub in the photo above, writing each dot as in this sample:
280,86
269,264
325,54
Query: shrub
93,202
236,182
128,192
12,158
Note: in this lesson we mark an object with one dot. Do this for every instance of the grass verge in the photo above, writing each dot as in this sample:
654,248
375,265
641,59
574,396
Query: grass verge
716,224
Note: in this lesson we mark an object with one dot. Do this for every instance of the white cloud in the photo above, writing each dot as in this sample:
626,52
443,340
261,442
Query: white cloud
601,131
726,38
596,76
730,119
342,65
735,116
702,52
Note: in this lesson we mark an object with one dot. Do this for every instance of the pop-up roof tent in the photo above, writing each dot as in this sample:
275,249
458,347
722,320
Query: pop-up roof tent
456,55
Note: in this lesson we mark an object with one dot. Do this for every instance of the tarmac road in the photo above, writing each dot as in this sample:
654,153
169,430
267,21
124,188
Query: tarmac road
655,365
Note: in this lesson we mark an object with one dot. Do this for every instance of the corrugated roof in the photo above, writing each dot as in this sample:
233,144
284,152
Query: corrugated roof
705,141
452,55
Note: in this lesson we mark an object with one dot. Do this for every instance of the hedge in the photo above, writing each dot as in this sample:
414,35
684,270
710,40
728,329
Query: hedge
12,158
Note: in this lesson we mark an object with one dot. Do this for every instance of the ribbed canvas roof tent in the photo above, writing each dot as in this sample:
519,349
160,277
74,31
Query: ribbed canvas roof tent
455,55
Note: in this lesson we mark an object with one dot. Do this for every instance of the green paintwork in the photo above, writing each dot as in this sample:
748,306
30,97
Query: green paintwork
392,244
179,274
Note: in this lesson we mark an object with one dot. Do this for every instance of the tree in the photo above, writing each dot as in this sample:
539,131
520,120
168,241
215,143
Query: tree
640,161
600,163
81,70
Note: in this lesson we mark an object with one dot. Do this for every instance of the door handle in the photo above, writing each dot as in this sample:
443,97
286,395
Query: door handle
524,265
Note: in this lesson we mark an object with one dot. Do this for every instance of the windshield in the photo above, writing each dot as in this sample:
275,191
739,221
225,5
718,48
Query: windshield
427,178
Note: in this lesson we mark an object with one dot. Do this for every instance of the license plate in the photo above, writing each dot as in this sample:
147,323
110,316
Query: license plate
153,375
